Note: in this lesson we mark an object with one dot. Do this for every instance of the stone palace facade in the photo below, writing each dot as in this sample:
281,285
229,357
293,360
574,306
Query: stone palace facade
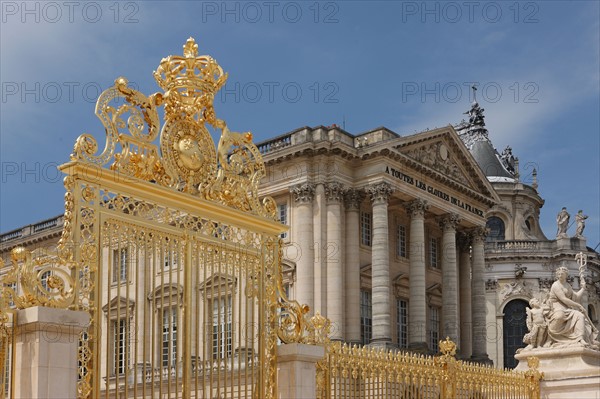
403,240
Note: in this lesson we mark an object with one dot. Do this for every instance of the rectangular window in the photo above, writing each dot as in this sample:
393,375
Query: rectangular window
366,317
169,336
434,328
433,253
222,338
171,259
120,264
402,322
121,345
366,219
401,241
44,279
14,287
282,212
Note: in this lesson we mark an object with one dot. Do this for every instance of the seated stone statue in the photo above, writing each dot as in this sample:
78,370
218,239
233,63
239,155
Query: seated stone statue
568,322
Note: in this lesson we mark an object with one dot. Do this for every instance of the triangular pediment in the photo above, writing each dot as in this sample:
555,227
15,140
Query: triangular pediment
118,302
441,154
218,283
166,291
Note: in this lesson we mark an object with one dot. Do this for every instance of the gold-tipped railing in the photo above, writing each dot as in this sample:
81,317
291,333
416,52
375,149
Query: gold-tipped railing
370,373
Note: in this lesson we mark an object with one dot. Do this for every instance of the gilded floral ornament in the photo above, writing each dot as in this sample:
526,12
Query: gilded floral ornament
43,281
185,158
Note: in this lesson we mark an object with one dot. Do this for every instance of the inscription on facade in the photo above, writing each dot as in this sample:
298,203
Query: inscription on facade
432,190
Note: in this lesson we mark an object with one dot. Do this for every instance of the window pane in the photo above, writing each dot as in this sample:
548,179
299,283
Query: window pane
169,337
366,318
365,228
282,212
222,340
401,241
433,253
434,329
402,323
120,333
120,264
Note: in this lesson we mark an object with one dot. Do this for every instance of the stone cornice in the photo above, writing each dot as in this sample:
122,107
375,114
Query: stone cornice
388,147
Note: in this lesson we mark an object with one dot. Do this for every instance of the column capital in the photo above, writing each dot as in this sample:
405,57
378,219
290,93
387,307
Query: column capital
334,191
416,207
353,198
448,221
478,234
463,240
303,193
380,192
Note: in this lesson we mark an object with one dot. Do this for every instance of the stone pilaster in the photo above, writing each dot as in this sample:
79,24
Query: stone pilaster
334,254
302,235
478,305
353,198
380,265
464,284
417,305
448,224
46,346
297,370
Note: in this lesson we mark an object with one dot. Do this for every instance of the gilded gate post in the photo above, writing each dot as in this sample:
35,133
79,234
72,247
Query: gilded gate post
534,376
448,364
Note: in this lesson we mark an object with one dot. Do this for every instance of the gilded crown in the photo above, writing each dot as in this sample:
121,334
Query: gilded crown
190,79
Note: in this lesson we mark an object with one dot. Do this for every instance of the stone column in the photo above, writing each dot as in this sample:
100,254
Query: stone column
380,265
297,370
353,199
478,305
449,277
417,305
334,255
303,237
464,245
319,241
46,350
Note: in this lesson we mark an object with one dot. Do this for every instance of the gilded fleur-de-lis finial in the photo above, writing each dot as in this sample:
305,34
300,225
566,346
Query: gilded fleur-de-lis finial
190,48
447,347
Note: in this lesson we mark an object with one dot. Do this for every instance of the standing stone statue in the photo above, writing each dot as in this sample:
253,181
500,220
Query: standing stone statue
580,219
562,222
537,325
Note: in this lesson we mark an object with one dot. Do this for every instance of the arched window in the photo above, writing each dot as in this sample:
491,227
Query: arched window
496,227
513,329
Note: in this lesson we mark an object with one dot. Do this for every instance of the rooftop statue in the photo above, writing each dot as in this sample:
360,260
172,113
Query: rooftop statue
508,159
580,219
562,223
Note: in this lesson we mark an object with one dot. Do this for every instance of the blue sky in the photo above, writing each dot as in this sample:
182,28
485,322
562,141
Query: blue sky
404,65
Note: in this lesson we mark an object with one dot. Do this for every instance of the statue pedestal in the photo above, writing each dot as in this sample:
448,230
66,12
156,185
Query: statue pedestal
573,244
571,372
